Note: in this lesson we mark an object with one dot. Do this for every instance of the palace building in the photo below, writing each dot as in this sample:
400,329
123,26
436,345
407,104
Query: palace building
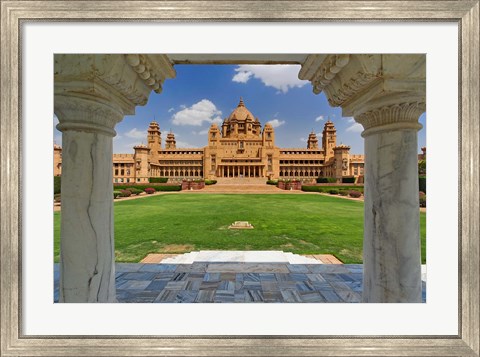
239,148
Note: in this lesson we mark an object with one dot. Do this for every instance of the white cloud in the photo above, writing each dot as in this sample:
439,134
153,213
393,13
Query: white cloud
275,123
303,140
197,114
281,77
136,134
171,110
354,126
319,118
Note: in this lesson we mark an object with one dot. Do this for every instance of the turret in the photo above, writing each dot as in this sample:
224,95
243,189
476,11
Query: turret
154,139
268,136
57,160
170,143
312,142
213,135
342,161
329,139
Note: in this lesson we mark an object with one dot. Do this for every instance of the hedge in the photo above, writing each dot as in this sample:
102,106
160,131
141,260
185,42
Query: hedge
57,184
328,188
272,182
157,188
158,179
326,180
348,179
210,182
422,183
116,194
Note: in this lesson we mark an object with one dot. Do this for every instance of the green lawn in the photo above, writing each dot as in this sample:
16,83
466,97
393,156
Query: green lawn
178,223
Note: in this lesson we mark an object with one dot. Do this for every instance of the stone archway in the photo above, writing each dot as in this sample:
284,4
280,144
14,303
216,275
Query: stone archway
384,93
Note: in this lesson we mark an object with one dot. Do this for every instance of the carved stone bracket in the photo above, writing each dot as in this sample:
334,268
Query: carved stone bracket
94,92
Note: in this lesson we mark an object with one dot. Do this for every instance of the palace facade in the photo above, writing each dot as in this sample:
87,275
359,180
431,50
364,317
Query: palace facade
239,148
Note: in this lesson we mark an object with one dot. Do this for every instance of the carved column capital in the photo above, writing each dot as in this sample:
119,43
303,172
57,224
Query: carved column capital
94,92
391,117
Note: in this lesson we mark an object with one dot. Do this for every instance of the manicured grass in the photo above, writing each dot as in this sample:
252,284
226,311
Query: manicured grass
178,223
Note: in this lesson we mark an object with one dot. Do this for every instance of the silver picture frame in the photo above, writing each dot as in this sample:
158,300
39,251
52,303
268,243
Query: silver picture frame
464,13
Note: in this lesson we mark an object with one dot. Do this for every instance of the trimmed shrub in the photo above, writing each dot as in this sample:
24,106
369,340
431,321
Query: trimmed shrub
116,194
348,179
168,188
134,191
326,180
343,192
422,183
125,193
210,182
149,190
333,192
313,188
158,179
57,184
56,197
272,182
355,194
423,201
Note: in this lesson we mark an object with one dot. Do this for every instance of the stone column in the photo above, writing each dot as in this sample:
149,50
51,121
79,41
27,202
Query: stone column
391,247
386,94
92,93
87,244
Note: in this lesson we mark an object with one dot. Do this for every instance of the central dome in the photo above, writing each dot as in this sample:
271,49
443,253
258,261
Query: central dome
241,113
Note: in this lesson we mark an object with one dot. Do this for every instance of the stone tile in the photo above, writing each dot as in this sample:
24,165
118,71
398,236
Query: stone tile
186,296
252,285
239,296
176,285
193,284
298,268
153,268
251,277
138,276
330,296
136,296
298,277
156,285
311,296
316,277
270,286
164,276
336,285
205,296
228,276
287,285
226,285
272,296
127,267
247,268
179,276
267,277
209,285
291,296
283,277
224,296
304,286
133,284
320,286
166,296
239,277
212,277
349,296
192,268
332,278
253,295
195,275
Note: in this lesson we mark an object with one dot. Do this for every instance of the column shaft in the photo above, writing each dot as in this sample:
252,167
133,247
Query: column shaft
391,249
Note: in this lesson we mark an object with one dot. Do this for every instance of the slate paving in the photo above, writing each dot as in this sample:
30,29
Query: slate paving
236,283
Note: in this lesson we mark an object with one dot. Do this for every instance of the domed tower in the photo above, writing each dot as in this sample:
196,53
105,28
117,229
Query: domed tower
312,142
154,139
329,139
57,160
241,122
170,143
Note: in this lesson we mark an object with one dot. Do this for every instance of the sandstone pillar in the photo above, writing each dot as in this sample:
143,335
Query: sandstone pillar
92,94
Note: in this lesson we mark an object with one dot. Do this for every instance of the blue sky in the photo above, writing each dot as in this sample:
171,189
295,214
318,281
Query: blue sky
204,94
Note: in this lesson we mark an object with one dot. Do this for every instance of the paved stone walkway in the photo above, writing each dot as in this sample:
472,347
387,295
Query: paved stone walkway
237,283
